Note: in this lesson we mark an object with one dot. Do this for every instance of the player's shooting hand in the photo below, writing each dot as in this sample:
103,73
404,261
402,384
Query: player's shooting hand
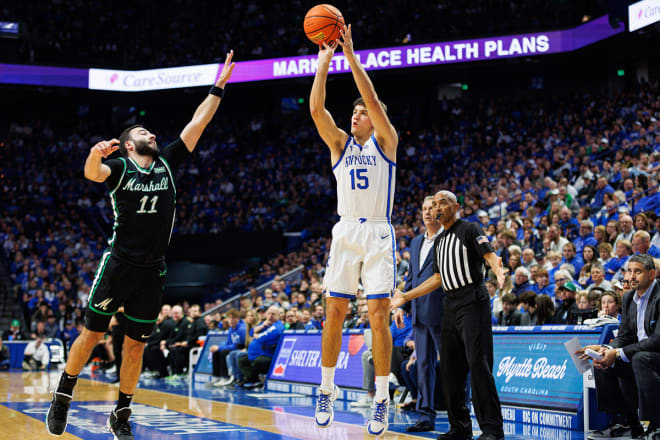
105,148
398,318
227,69
346,40
326,51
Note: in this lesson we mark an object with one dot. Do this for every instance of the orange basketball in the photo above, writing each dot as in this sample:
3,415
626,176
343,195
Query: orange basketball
322,24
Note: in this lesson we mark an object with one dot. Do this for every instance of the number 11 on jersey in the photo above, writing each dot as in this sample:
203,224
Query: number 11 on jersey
143,203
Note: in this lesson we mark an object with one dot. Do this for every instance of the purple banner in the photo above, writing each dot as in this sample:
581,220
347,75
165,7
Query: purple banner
43,75
462,51
524,45
298,359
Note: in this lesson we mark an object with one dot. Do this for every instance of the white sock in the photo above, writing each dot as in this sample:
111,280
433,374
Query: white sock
382,388
327,379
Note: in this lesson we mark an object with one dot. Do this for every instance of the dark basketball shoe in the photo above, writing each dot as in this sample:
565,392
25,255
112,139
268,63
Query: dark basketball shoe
118,424
56,417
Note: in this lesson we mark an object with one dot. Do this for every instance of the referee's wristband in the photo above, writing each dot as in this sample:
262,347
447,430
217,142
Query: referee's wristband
217,91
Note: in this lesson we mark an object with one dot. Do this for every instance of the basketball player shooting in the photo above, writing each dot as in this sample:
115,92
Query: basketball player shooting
132,269
363,242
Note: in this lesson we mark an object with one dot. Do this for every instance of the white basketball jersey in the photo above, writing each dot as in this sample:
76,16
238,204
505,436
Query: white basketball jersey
365,181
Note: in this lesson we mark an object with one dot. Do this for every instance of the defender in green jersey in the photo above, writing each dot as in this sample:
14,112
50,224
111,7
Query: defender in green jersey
131,270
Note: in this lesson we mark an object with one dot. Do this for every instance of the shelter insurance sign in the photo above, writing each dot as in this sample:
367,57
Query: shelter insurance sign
298,359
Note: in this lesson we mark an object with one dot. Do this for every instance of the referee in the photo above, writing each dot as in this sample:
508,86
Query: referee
467,338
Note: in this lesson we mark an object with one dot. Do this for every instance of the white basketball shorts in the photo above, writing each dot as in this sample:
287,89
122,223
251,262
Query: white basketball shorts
361,250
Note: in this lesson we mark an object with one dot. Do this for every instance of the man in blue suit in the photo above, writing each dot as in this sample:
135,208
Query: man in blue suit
426,317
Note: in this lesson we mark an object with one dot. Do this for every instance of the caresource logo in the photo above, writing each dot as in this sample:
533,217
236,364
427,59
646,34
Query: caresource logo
154,79
642,14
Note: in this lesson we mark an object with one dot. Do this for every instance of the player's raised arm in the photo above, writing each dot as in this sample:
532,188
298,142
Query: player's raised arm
332,135
95,170
204,113
383,129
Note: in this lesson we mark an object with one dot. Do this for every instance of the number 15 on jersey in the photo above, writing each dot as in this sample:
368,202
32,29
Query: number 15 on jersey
358,178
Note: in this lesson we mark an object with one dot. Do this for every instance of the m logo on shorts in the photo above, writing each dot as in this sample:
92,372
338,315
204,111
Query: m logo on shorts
103,305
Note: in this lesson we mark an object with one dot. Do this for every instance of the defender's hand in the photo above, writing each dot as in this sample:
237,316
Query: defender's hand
227,69
105,148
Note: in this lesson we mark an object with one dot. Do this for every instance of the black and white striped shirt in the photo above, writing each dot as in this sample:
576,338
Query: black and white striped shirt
459,255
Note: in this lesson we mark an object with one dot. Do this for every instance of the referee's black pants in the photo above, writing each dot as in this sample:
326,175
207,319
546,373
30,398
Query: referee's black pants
467,346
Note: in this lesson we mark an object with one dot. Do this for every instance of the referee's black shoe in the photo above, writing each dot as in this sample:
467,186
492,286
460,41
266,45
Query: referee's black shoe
455,435
420,427
57,413
118,424
491,436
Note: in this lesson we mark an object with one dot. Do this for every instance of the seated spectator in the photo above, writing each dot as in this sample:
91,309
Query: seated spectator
199,327
69,334
268,299
565,313
509,314
605,253
495,302
585,237
527,300
154,363
51,328
542,284
235,341
545,309
36,355
409,376
584,308
262,348
626,227
641,244
521,281
292,323
610,305
5,358
598,278
614,266
317,319
306,318
363,319
177,341
571,257
301,301
14,333
40,330
627,384
590,254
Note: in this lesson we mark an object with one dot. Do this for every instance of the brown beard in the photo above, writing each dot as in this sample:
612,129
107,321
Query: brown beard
143,148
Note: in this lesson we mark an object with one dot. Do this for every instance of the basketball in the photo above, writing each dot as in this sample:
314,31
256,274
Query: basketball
322,24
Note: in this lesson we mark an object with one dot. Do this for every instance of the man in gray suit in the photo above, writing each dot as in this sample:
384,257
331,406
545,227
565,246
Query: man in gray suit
628,373
426,317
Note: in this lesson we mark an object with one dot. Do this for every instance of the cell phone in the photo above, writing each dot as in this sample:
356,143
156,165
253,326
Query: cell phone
593,354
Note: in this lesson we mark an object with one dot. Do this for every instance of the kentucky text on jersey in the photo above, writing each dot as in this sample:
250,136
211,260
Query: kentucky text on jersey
360,160
133,185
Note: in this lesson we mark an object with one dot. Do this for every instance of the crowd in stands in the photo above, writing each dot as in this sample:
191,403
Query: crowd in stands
566,191
197,32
